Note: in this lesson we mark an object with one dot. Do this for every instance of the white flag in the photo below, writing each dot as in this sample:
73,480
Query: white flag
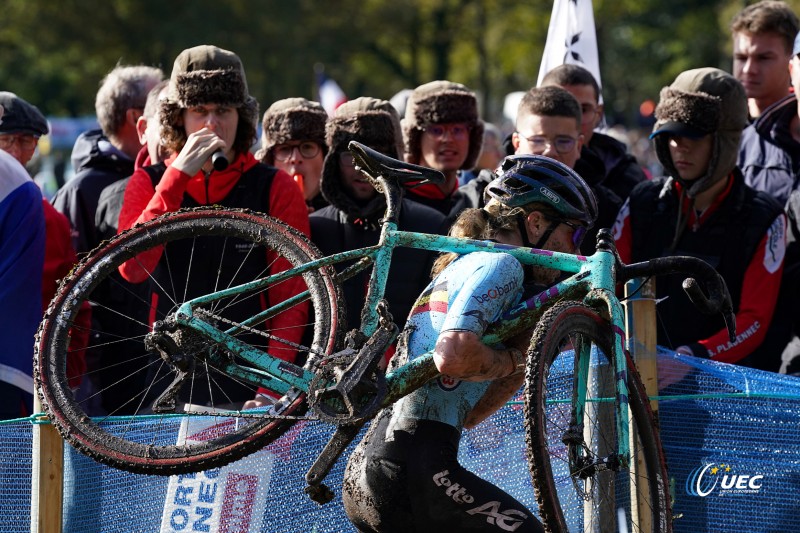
571,38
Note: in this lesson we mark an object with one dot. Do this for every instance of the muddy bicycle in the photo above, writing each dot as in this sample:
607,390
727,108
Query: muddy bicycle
580,431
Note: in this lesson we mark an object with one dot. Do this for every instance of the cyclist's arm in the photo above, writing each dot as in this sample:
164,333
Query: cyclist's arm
759,294
462,355
500,391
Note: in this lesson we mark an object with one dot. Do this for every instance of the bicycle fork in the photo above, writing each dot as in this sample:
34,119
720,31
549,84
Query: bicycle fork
583,464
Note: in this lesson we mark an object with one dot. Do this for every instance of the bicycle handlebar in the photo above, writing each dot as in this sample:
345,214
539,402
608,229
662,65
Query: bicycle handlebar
718,299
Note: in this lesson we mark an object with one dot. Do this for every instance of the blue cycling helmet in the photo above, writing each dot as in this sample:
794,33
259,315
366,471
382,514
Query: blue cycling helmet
523,179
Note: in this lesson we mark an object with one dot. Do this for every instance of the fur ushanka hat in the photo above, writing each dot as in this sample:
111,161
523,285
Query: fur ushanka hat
441,102
700,102
292,119
369,121
206,74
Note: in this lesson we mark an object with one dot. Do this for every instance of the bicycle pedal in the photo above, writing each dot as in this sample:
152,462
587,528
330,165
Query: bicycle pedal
319,493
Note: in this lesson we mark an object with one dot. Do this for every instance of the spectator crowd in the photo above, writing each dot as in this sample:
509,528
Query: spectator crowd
729,145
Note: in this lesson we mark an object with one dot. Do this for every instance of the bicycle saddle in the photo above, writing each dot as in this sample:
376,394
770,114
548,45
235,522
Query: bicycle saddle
376,164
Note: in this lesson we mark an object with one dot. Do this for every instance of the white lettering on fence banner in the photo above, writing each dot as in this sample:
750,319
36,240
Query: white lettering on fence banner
225,500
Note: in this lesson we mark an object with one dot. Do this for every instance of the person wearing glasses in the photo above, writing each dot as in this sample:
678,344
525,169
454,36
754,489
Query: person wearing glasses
404,474
549,123
620,170
442,130
293,140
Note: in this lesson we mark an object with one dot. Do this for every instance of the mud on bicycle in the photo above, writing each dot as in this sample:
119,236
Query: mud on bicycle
578,429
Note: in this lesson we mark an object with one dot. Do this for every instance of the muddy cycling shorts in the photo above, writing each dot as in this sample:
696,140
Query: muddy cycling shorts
415,483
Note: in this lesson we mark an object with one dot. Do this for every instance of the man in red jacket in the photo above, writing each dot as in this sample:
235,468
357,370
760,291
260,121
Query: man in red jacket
207,109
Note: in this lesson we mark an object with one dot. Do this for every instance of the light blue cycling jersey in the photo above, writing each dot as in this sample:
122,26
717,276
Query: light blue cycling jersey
471,293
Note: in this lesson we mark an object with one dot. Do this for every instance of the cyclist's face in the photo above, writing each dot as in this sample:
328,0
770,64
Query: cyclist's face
691,156
532,129
560,240
222,120
445,147
293,160
761,63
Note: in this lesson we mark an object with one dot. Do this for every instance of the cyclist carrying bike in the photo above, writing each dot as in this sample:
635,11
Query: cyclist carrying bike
405,475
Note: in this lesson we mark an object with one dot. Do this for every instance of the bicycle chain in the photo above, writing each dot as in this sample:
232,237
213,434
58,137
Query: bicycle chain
256,331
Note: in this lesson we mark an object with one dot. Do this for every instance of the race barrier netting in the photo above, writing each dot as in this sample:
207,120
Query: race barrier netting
730,435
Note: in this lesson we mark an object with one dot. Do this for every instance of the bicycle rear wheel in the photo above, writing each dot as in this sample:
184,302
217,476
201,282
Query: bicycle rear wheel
574,489
202,250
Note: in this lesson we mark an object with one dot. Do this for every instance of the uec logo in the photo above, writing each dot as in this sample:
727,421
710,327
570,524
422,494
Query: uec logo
703,480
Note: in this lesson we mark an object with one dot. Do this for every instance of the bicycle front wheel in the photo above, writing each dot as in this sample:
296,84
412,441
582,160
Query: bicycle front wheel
133,359
579,486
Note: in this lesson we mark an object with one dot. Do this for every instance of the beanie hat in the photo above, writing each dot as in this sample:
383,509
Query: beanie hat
206,74
292,119
441,102
369,121
18,116
700,102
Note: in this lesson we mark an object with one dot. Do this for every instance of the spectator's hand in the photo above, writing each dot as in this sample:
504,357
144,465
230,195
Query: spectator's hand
197,151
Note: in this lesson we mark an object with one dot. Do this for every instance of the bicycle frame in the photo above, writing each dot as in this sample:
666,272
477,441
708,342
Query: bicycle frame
592,280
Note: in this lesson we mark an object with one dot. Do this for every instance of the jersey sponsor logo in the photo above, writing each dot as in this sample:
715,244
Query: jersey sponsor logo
495,292
776,245
446,383
508,520
619,223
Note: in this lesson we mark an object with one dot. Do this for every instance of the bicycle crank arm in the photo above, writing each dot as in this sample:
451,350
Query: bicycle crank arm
341,438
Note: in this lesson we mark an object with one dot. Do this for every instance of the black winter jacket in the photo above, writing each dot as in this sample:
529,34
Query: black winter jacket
97,165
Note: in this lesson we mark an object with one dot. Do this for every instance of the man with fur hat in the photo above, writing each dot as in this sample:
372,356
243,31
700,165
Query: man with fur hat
293,140
207,109
704,209
352,220
442,131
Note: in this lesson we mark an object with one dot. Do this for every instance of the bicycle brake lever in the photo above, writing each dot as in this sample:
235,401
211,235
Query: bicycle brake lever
718,302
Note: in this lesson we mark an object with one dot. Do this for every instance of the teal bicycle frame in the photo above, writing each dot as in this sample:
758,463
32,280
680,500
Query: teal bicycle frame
592,281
